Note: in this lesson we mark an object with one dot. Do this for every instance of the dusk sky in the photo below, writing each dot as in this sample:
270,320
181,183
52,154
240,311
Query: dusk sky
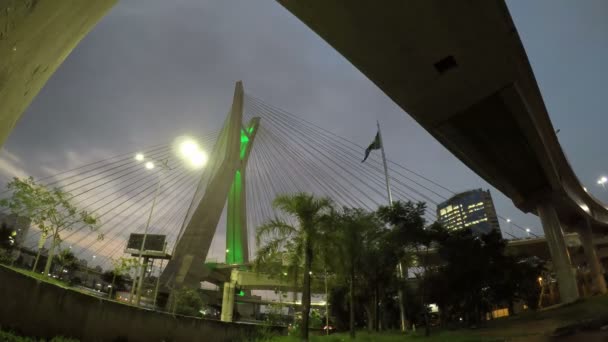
153,70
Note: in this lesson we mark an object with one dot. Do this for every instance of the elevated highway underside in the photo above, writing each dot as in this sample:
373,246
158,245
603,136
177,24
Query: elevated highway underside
459,69
36,36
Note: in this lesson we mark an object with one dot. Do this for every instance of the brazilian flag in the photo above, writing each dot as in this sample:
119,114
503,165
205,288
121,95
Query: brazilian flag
375,145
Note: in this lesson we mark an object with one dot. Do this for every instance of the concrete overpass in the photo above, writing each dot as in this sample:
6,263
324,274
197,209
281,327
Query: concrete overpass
459,69
538,247
36,36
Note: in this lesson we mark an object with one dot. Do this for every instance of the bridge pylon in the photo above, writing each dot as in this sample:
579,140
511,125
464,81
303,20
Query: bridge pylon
224,181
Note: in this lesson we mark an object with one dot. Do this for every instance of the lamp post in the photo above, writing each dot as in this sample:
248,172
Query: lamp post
142,267
189,150
528,231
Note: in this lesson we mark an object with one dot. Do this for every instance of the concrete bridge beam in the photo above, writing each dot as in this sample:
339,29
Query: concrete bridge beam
560,256
585,233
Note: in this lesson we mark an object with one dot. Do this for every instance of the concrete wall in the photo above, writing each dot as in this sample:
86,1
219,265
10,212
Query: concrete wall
36,308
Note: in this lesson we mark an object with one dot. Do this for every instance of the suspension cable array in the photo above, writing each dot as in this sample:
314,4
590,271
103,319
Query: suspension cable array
332,158
289,155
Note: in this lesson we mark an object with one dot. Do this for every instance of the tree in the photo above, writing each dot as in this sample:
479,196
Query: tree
352,231
476,274
51,210
115,277
378,272
311,214
407,236
7,243
66,260
7,237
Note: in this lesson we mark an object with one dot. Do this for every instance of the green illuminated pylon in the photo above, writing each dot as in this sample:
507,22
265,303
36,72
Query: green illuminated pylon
237,250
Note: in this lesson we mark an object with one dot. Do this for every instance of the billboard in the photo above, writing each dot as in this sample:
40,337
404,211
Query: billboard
154,243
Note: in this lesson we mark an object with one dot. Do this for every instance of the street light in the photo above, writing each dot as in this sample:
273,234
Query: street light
602,181
189,150
528,231
198,159
510,226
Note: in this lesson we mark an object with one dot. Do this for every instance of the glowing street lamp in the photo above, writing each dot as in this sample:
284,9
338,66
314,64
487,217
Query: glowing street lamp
190,150
187,148
602,181
198,159
528,231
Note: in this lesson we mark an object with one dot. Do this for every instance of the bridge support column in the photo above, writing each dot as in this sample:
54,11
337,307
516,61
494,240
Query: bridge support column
560,257
586,235
228,301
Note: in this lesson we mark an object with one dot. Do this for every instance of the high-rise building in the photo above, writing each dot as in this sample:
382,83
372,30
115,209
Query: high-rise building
472,209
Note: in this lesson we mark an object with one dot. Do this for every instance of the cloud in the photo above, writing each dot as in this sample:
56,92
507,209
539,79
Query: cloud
11,165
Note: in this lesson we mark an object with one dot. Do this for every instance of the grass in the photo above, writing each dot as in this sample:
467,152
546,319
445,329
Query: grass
362,336
6,336
525,327
40,277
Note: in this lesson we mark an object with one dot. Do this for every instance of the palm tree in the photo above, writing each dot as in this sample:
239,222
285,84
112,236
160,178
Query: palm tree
310,214
66,260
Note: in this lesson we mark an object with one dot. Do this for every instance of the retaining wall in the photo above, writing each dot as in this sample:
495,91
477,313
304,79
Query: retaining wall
36,308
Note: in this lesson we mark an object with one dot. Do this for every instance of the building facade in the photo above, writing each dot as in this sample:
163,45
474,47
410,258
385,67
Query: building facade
472,209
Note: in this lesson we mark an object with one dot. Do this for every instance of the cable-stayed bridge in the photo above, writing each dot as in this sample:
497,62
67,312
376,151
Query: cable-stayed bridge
289,155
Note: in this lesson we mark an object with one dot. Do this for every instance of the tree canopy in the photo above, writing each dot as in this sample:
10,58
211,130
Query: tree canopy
51,210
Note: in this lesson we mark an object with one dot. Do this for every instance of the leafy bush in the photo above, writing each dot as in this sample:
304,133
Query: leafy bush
188,302
5,257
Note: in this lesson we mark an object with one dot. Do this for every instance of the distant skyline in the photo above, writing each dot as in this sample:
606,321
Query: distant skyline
153,70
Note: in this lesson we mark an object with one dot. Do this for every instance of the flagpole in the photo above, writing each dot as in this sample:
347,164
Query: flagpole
390,203
388,186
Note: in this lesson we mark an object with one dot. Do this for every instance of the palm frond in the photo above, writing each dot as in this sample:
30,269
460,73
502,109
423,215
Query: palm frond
274,228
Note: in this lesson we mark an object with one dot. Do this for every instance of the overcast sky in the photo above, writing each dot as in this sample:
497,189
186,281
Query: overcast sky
153,70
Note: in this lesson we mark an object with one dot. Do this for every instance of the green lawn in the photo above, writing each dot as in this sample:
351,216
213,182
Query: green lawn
10,337
451,336
39,276
524,327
